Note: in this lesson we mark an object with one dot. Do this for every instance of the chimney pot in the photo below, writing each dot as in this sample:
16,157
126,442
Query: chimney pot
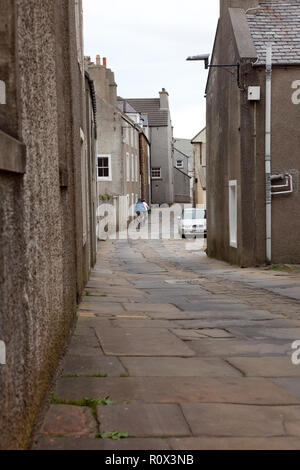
98,60
104,62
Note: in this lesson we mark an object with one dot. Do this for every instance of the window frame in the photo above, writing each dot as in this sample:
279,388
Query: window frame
132,168
104,178
233,213
181,166
156,177
128,166
136,169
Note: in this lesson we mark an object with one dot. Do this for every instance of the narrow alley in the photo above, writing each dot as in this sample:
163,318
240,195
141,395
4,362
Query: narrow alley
173,350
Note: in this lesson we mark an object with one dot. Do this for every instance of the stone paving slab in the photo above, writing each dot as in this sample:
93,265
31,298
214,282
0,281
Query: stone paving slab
95,298
291,385
141,342
85,351
215,333
208,305
85,314
235,443
91,323
105,307
266,366
186,291
142,268
150,307
157,284
179,302
89,340
108,281
68,443
85,330
92,365
221,420
144,420
118,291
238,347
239,326
191,335
187,335
256,391
211,315
289,334
143,323
70,420
292,292
99,270
178,367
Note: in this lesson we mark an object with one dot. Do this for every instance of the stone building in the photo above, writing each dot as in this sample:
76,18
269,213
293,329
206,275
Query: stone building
118,152
241,171
199,161
47,199
160,137
183,170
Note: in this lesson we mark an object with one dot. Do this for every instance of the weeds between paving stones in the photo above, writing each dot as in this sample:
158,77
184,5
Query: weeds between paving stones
284,267
115,435
91,403
70,376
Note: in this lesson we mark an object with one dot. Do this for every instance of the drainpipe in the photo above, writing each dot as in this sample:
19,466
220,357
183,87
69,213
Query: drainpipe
268,155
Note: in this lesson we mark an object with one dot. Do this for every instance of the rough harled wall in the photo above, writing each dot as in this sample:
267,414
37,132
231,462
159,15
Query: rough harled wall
223,146
285,159
144,167
37,211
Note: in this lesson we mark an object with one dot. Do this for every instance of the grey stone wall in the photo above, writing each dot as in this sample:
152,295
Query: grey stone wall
41,259
161,157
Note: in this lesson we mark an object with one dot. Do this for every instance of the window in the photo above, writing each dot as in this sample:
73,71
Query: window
104,168
233,213
136,169
127,167
2,92
156,173
126,135
131,136
132,168
179,164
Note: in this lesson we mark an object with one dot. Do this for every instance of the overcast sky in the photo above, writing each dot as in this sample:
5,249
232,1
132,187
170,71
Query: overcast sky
146,44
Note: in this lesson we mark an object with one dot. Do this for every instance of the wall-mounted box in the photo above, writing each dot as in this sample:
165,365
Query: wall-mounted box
254,93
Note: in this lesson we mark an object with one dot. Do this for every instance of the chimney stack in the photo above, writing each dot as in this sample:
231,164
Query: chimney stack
98,60
104,62
244,4
164,99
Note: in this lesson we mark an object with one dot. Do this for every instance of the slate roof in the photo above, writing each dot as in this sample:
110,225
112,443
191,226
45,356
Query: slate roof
151,106
277,22
124,106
